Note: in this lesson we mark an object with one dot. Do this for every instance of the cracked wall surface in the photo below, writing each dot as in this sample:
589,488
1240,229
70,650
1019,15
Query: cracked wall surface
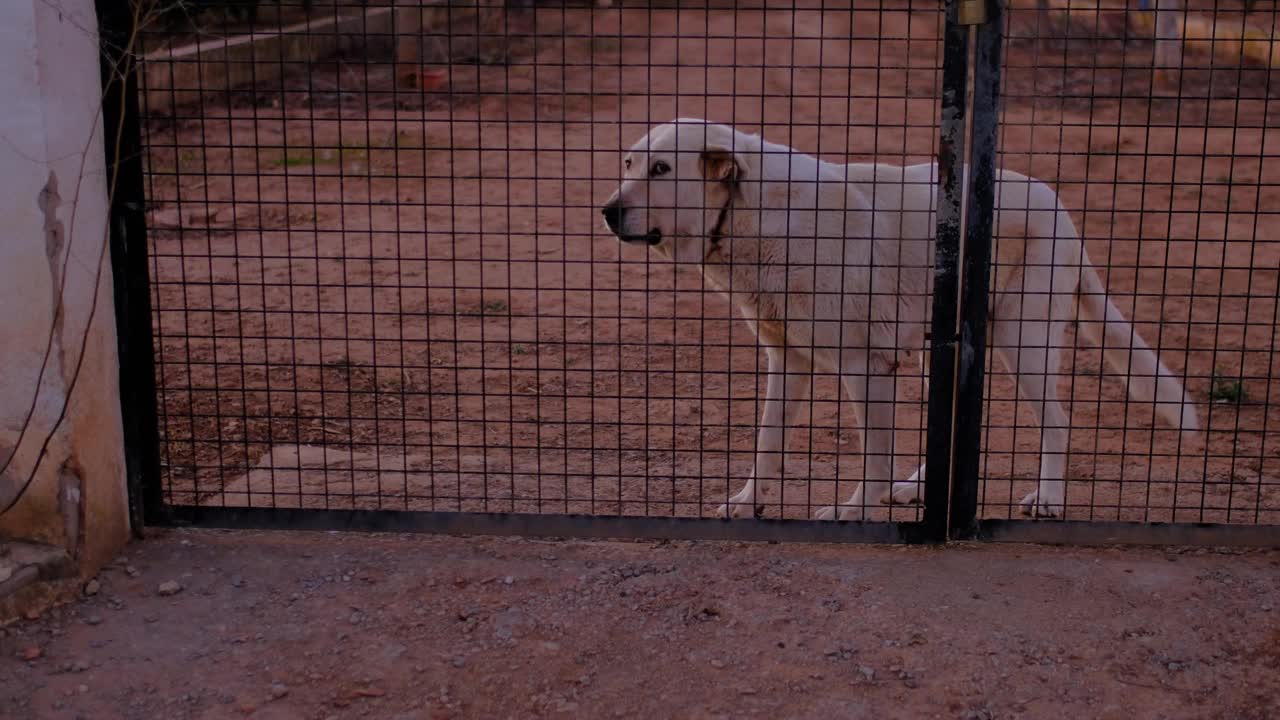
56,309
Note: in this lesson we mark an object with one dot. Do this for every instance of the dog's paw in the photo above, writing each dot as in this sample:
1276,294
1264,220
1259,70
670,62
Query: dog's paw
904,493
843,512
1046,506
853,512
734,509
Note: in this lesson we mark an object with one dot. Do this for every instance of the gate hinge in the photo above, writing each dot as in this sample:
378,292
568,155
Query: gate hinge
971,12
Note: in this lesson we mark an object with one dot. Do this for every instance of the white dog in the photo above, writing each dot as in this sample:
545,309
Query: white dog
831,266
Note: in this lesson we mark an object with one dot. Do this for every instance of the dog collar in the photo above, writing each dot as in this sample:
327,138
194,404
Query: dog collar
716,234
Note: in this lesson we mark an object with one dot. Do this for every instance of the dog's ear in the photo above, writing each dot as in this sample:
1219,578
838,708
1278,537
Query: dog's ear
721,165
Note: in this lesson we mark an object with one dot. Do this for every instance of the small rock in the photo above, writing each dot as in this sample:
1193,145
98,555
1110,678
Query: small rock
717,664
840,652
169,587
92,587
82,689
237,581
80,666
279,690
1174,666
32,614
131,571
868,673
32,652
508,580
93,619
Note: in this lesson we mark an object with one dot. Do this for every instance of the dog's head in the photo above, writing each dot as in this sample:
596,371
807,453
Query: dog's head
679,181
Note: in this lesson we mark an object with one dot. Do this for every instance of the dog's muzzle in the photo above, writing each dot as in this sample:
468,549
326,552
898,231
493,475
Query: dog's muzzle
613,213
612,216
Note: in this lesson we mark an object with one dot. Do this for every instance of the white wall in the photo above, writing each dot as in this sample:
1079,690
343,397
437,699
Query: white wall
51,137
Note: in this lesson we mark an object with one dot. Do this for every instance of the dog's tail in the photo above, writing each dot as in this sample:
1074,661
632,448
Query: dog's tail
1130,357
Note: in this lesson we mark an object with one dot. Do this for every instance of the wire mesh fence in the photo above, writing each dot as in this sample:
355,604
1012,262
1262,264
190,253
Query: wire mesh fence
385,284
380,279
1158,130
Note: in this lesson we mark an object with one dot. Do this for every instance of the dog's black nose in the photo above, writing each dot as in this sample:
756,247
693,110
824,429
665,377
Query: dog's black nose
612,216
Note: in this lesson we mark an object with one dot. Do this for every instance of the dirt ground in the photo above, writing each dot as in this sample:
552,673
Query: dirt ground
368,298
303,625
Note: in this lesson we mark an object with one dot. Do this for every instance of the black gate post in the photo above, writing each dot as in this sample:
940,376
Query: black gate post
128,240
979,224
946,277
962,261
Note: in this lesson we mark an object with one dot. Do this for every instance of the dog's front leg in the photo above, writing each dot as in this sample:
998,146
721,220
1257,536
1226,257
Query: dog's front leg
872,392
787,388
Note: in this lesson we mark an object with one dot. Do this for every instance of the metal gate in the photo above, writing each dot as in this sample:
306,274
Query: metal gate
362,282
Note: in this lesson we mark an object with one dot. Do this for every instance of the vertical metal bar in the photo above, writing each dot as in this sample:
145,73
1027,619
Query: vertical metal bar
979,221
132,284
946,282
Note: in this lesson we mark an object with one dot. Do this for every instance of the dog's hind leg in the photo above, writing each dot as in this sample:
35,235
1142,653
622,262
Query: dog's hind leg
787,388
1030,344
872,392
908,491
911,490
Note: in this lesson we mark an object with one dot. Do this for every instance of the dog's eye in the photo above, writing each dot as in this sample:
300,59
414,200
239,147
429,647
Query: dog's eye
660,168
